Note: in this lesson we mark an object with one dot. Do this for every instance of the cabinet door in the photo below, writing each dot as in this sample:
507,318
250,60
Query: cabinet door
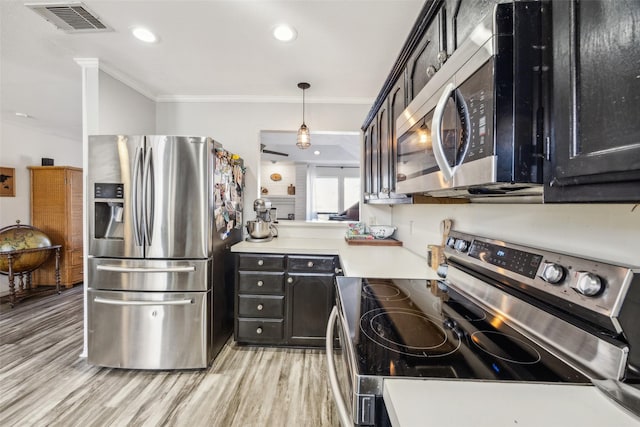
75,235
366,164
595,136
397,104
425,62
375,160
309,300
385,153
465,16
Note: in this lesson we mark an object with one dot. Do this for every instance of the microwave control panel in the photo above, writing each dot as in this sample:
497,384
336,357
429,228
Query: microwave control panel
477,92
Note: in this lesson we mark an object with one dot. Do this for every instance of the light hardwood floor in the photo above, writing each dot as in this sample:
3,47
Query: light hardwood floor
44,382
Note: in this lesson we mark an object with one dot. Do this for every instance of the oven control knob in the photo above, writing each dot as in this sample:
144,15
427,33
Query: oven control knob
461,245
588,284
451,242
552,273
442,271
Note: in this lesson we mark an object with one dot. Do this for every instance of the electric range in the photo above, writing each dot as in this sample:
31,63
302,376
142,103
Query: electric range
501,312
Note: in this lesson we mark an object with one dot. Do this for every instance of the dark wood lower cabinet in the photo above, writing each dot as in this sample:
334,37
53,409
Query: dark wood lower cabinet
284,300
310,299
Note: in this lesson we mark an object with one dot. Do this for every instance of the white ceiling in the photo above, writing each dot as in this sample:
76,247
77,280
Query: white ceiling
215,49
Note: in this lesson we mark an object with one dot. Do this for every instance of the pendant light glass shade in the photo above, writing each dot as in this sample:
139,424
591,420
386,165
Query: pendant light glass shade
304,138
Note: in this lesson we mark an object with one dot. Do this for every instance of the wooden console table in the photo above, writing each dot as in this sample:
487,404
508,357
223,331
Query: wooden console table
24,289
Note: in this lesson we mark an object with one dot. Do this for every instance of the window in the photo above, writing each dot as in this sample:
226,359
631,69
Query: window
351,193
326,192
335,189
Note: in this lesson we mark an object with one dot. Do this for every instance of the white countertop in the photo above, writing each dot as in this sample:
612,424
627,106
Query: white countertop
456,403
357,261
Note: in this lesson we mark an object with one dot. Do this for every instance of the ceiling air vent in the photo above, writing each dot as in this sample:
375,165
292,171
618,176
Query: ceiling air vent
72,17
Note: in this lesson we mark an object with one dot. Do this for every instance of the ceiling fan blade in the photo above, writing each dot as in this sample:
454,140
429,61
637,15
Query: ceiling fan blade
277,153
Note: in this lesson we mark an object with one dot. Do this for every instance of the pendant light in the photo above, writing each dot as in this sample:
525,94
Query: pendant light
304,139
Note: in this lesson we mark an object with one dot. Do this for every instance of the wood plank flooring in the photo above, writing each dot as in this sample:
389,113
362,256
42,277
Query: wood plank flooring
44,382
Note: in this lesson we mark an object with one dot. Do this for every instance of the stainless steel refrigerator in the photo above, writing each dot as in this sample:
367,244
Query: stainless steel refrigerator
163,212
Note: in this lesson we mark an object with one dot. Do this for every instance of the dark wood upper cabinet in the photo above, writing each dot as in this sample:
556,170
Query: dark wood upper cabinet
429,55
366,184
594,135
375,161
397,104
385,153
465,15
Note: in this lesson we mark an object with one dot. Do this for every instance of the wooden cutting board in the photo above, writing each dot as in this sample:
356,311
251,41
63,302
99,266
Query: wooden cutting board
373,242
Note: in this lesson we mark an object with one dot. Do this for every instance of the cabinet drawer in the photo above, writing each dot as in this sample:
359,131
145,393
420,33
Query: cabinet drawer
262,306
251,282
120,324
271,330
261,262
311,263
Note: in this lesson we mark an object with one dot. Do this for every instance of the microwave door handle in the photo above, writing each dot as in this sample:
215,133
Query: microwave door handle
436,133
148,196
135,197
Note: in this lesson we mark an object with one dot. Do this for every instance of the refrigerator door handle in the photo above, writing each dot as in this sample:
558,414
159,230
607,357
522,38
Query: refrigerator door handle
108,301
135,197
116,268
148,194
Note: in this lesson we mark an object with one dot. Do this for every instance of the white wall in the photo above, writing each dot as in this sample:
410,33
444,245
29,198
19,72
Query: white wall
123,110
277,188
22,146
610,232
237,126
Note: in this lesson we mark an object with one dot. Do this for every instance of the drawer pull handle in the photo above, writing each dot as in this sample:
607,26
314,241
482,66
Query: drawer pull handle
120,269
260,307
259,331
100,300
260,283
289,280
310,264
260,262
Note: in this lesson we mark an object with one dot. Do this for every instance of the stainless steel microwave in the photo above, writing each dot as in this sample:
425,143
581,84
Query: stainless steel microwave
476,128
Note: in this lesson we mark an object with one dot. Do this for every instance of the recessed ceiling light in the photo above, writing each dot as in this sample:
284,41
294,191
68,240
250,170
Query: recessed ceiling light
23,115
144,35
285,33
316,153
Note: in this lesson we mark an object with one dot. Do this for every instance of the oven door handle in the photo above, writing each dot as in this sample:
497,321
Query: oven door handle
436,133
343,414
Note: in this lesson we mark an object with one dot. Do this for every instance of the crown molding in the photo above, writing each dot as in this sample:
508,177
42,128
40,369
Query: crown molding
145,91
87,62
128,80
263,99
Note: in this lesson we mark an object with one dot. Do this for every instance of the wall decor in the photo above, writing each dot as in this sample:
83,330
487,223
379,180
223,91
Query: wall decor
7,182
275,177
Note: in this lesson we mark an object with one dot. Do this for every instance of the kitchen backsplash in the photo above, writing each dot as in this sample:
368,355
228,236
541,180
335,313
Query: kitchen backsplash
609,232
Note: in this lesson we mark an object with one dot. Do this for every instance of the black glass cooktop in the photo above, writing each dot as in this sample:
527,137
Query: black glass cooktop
414,328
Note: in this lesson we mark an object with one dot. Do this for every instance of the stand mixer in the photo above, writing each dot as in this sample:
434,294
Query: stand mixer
262,229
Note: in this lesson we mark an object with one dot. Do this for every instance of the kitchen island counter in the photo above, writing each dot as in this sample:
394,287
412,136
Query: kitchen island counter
357,261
